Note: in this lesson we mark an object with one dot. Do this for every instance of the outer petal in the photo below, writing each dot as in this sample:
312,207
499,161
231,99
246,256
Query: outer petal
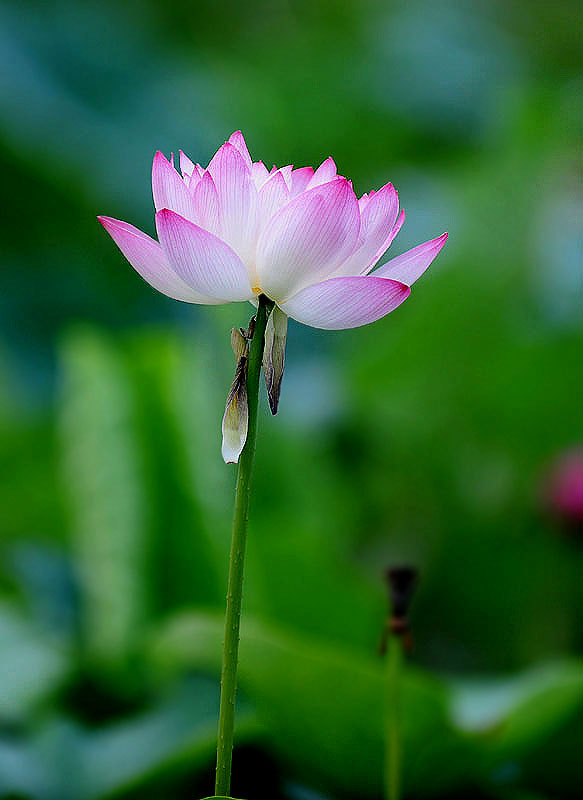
169,189
149,260
238,140
377,222
272,196
349,302
396,229
202,260
307,239
206,204
412,264
300,178
237,200
326,172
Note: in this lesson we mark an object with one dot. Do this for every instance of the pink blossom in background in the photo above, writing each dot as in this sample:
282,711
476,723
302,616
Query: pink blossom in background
235,230
564,488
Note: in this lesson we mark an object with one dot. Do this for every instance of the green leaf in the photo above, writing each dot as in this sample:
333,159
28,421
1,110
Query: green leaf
323,708
33,664
22,772
105,491
180,731
169,383
529,719
323,705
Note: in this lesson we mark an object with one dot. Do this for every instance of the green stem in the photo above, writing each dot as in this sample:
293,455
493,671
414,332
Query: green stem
393,719
237,559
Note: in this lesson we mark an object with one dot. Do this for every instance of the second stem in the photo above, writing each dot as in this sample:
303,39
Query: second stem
393,730
237,558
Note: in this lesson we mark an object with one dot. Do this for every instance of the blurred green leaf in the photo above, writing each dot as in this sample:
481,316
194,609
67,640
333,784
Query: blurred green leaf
21,771
33,664
516,721
323,708
323,705
104,484
178,735
175,424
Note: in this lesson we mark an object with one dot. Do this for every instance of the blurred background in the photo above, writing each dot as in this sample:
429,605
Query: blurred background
447,435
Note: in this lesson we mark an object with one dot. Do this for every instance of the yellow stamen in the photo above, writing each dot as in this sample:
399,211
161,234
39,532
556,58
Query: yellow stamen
256,289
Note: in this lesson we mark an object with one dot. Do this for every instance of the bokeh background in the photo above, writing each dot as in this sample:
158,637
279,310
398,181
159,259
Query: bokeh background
434,437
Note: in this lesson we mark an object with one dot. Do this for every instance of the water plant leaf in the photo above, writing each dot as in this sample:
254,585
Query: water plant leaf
34,663
322,704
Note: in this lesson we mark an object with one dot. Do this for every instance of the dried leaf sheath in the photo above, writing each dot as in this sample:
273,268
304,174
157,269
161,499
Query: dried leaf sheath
274,355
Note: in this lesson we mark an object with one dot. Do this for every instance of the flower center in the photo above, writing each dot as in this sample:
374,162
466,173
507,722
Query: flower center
256,289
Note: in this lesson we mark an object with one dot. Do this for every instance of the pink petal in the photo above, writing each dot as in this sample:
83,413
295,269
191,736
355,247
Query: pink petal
377,222
149,260
326,172
186,165
192,180
398,226
206,203
259,173
238,140
307,239
412,264
169,189
287,174
272,196
300,179
362,202
202,260
348,302
237,200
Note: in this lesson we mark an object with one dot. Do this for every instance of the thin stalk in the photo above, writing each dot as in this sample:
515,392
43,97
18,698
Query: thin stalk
237,559
393,719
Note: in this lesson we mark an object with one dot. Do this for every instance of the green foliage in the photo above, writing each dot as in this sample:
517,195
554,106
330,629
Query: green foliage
106,492
323,708
33,664
148,536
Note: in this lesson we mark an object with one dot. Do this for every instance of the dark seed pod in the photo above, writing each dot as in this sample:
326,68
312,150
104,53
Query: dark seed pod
401,582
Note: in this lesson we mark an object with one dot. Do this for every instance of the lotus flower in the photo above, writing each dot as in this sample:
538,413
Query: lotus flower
236,230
